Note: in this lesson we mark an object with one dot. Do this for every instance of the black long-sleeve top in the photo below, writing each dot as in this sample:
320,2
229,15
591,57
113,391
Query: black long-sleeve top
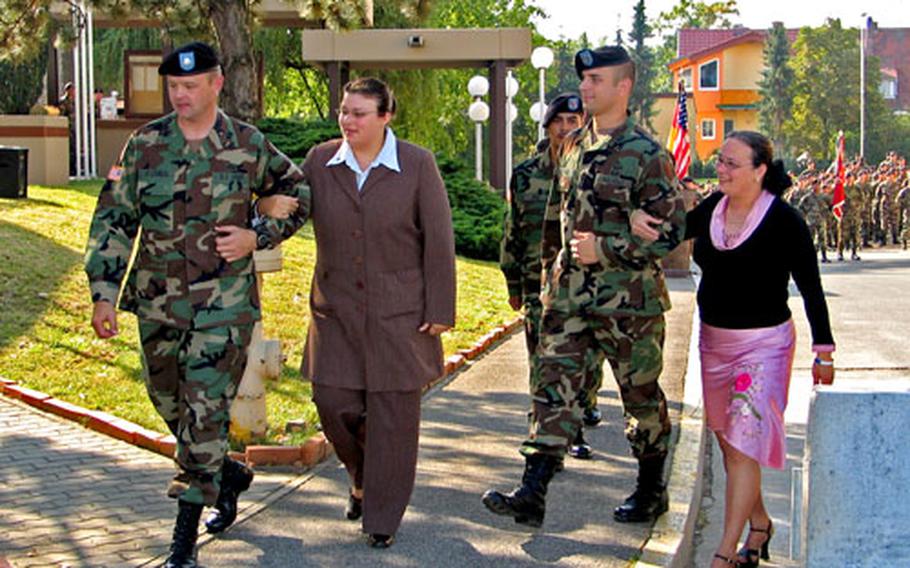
747,287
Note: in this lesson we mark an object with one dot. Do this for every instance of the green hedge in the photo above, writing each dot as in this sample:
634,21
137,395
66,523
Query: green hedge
22,83
296,137
477,210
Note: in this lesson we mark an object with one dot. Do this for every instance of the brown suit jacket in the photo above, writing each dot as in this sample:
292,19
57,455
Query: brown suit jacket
385,264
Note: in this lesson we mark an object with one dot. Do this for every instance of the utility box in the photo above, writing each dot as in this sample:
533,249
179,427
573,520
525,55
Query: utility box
13,171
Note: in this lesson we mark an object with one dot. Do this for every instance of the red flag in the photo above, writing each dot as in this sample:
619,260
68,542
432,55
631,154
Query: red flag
678,141
840,196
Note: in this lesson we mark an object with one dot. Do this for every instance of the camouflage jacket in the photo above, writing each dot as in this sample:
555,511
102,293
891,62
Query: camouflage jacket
902,201
599,184
815,207
520,253
173,197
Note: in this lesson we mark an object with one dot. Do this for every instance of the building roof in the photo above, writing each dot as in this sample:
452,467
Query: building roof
693,43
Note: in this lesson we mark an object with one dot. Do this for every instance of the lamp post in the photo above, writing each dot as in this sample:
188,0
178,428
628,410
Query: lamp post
479,112
541,58
511,115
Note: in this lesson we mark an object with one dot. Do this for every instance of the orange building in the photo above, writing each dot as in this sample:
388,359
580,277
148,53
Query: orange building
721,70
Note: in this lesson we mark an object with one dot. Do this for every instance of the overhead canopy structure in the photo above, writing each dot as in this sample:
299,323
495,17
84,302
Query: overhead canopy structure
493,49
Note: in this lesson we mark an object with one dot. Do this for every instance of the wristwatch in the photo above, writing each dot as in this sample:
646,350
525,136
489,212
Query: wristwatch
263,242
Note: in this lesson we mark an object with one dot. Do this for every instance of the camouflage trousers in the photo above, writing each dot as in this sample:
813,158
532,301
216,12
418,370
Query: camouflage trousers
192,378
634,347
819,232
850,235
594,363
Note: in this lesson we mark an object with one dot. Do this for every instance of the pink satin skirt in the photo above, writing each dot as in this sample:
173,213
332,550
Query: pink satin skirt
745,379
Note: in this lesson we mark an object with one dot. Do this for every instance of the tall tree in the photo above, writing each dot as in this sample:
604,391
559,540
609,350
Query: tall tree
776,100
561,76
19,22
686,14
826,93
642,99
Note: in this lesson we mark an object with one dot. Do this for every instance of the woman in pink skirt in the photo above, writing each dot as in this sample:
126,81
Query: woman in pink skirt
749,243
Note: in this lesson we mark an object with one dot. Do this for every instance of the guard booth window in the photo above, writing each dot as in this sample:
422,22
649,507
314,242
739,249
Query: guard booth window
144,87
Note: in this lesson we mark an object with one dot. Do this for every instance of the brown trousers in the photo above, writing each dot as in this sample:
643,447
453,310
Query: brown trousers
375,435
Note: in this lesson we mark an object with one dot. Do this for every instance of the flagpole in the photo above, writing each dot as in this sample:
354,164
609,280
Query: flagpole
862,88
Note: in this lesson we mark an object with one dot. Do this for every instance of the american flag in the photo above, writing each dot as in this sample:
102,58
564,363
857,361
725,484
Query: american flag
840,196
678,142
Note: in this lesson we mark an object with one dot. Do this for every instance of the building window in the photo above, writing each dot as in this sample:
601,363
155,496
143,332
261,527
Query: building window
708,75
707,129
889,88
686,77
728,127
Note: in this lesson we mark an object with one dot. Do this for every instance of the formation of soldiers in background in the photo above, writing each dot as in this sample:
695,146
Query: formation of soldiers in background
876,210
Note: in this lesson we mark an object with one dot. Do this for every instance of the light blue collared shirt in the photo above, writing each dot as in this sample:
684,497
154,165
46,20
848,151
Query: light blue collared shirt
388,157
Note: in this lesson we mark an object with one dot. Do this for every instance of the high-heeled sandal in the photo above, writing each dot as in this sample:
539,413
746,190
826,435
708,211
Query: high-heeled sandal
730,561
750,556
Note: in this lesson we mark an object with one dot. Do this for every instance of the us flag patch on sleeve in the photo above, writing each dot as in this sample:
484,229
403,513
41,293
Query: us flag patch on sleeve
115,174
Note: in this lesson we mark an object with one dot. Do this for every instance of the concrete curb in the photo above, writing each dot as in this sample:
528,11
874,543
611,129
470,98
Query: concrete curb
313,451
455,363
671,542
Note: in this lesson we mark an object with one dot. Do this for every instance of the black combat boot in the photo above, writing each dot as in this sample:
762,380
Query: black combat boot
235,479
580,449
527,502
183,547
650,499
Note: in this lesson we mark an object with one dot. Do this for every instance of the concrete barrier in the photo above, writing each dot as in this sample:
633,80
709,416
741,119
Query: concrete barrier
856,475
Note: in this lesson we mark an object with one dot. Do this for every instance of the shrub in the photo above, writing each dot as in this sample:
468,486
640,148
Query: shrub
296,137
22,83
477,210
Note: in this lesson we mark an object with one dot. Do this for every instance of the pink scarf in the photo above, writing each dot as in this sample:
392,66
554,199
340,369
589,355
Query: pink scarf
753,219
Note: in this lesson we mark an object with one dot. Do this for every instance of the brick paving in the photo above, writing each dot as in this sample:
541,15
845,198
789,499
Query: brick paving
72,497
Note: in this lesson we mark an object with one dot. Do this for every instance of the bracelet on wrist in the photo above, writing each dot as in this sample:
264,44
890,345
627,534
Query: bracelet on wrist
823,362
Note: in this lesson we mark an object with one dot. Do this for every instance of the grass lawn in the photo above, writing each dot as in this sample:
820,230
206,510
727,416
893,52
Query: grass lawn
46,341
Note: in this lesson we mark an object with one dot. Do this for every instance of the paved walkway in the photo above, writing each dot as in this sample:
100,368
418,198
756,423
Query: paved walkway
70,496
56,478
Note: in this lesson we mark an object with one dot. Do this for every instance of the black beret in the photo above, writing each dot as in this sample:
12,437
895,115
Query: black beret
566,102
606,56
190,59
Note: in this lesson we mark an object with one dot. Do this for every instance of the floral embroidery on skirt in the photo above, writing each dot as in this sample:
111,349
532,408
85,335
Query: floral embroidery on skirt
745,379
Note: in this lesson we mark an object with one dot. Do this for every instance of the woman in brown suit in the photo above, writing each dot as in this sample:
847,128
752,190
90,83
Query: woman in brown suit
383,291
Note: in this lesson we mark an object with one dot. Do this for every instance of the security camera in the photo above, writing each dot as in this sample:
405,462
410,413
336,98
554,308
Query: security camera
415,41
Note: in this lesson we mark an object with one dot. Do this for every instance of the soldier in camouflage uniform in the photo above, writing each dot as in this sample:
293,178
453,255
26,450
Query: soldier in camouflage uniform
851,224
889,214
817,210
520,253
184,185
603,290
903,207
